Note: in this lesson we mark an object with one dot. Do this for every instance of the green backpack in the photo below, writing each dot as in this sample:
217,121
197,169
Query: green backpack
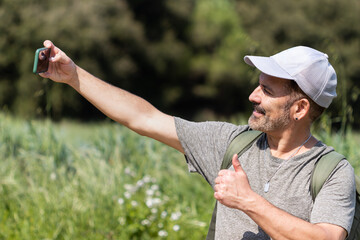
324,166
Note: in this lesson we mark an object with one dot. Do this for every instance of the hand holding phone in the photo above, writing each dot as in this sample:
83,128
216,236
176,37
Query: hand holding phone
57,67
41,61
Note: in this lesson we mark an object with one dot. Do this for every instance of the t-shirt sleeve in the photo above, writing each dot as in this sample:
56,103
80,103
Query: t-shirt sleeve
205,144
335,203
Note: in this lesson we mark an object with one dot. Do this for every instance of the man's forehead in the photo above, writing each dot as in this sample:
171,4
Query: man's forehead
274,83
264,78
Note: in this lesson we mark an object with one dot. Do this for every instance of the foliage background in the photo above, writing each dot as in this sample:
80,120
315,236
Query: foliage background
184,56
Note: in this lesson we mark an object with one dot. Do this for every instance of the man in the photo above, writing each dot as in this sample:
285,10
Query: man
265,194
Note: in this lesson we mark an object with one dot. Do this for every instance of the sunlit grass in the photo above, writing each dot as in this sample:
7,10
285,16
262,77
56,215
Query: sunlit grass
95,181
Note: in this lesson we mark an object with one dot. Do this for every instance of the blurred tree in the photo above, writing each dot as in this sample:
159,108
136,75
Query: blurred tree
183,56
218,73
173,53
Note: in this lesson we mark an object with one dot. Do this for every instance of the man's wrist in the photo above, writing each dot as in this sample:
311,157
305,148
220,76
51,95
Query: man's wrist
254,204
74,80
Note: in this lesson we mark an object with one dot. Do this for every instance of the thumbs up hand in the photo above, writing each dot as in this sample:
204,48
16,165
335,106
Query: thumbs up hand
236,164
232,188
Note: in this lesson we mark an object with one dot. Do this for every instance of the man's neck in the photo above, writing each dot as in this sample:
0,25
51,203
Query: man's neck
285,143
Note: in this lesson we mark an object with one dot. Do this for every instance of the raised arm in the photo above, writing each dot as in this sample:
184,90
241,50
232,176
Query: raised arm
122,106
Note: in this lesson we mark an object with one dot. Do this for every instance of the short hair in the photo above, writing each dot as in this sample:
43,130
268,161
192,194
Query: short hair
296,92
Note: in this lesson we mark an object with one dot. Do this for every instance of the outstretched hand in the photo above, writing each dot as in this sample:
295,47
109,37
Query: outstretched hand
61,67
232,188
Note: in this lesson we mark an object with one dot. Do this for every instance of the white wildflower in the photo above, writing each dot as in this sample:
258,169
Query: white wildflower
162,233
175,216
150,192
121,220
156,201
149,202
53,176
164,214
130,188
128,171
154,187
160,225
121,201
152,202
147,179
145,222
134,203
198,223
176,228
127,195
154,210
140,183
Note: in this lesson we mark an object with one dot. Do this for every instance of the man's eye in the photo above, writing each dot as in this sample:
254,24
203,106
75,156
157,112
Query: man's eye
266,91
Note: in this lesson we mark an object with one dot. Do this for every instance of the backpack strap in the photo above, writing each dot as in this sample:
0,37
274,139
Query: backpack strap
323,168
325,165
238,145
355,228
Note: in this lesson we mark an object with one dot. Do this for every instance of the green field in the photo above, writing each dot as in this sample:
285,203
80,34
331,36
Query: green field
100,181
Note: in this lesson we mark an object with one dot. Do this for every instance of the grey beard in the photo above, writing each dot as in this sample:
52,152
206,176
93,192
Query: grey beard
265,124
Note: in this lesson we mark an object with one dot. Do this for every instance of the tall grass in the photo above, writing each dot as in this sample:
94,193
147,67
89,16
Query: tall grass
75,181
345,142
102,181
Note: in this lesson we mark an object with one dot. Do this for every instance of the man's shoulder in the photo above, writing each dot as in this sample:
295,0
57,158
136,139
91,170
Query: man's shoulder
221,126
326,149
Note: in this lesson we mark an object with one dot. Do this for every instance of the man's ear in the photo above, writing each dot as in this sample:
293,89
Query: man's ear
301,108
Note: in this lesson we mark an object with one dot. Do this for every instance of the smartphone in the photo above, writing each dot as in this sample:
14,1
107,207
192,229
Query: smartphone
41,61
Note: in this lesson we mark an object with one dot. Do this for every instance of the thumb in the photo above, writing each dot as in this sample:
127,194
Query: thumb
236,163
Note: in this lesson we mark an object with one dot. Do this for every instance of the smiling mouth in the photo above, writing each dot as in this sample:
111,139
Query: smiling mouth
258,110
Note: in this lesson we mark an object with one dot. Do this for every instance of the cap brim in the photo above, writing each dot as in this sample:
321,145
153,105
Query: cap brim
268,66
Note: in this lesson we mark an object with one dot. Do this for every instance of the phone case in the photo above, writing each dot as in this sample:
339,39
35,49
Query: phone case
37,62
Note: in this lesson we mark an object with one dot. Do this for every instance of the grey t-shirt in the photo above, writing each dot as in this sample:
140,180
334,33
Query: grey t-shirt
205,145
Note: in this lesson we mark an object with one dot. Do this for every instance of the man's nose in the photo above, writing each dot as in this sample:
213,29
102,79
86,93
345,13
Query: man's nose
255,95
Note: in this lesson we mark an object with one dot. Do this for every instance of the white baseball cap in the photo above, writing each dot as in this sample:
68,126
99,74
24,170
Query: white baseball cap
309,68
